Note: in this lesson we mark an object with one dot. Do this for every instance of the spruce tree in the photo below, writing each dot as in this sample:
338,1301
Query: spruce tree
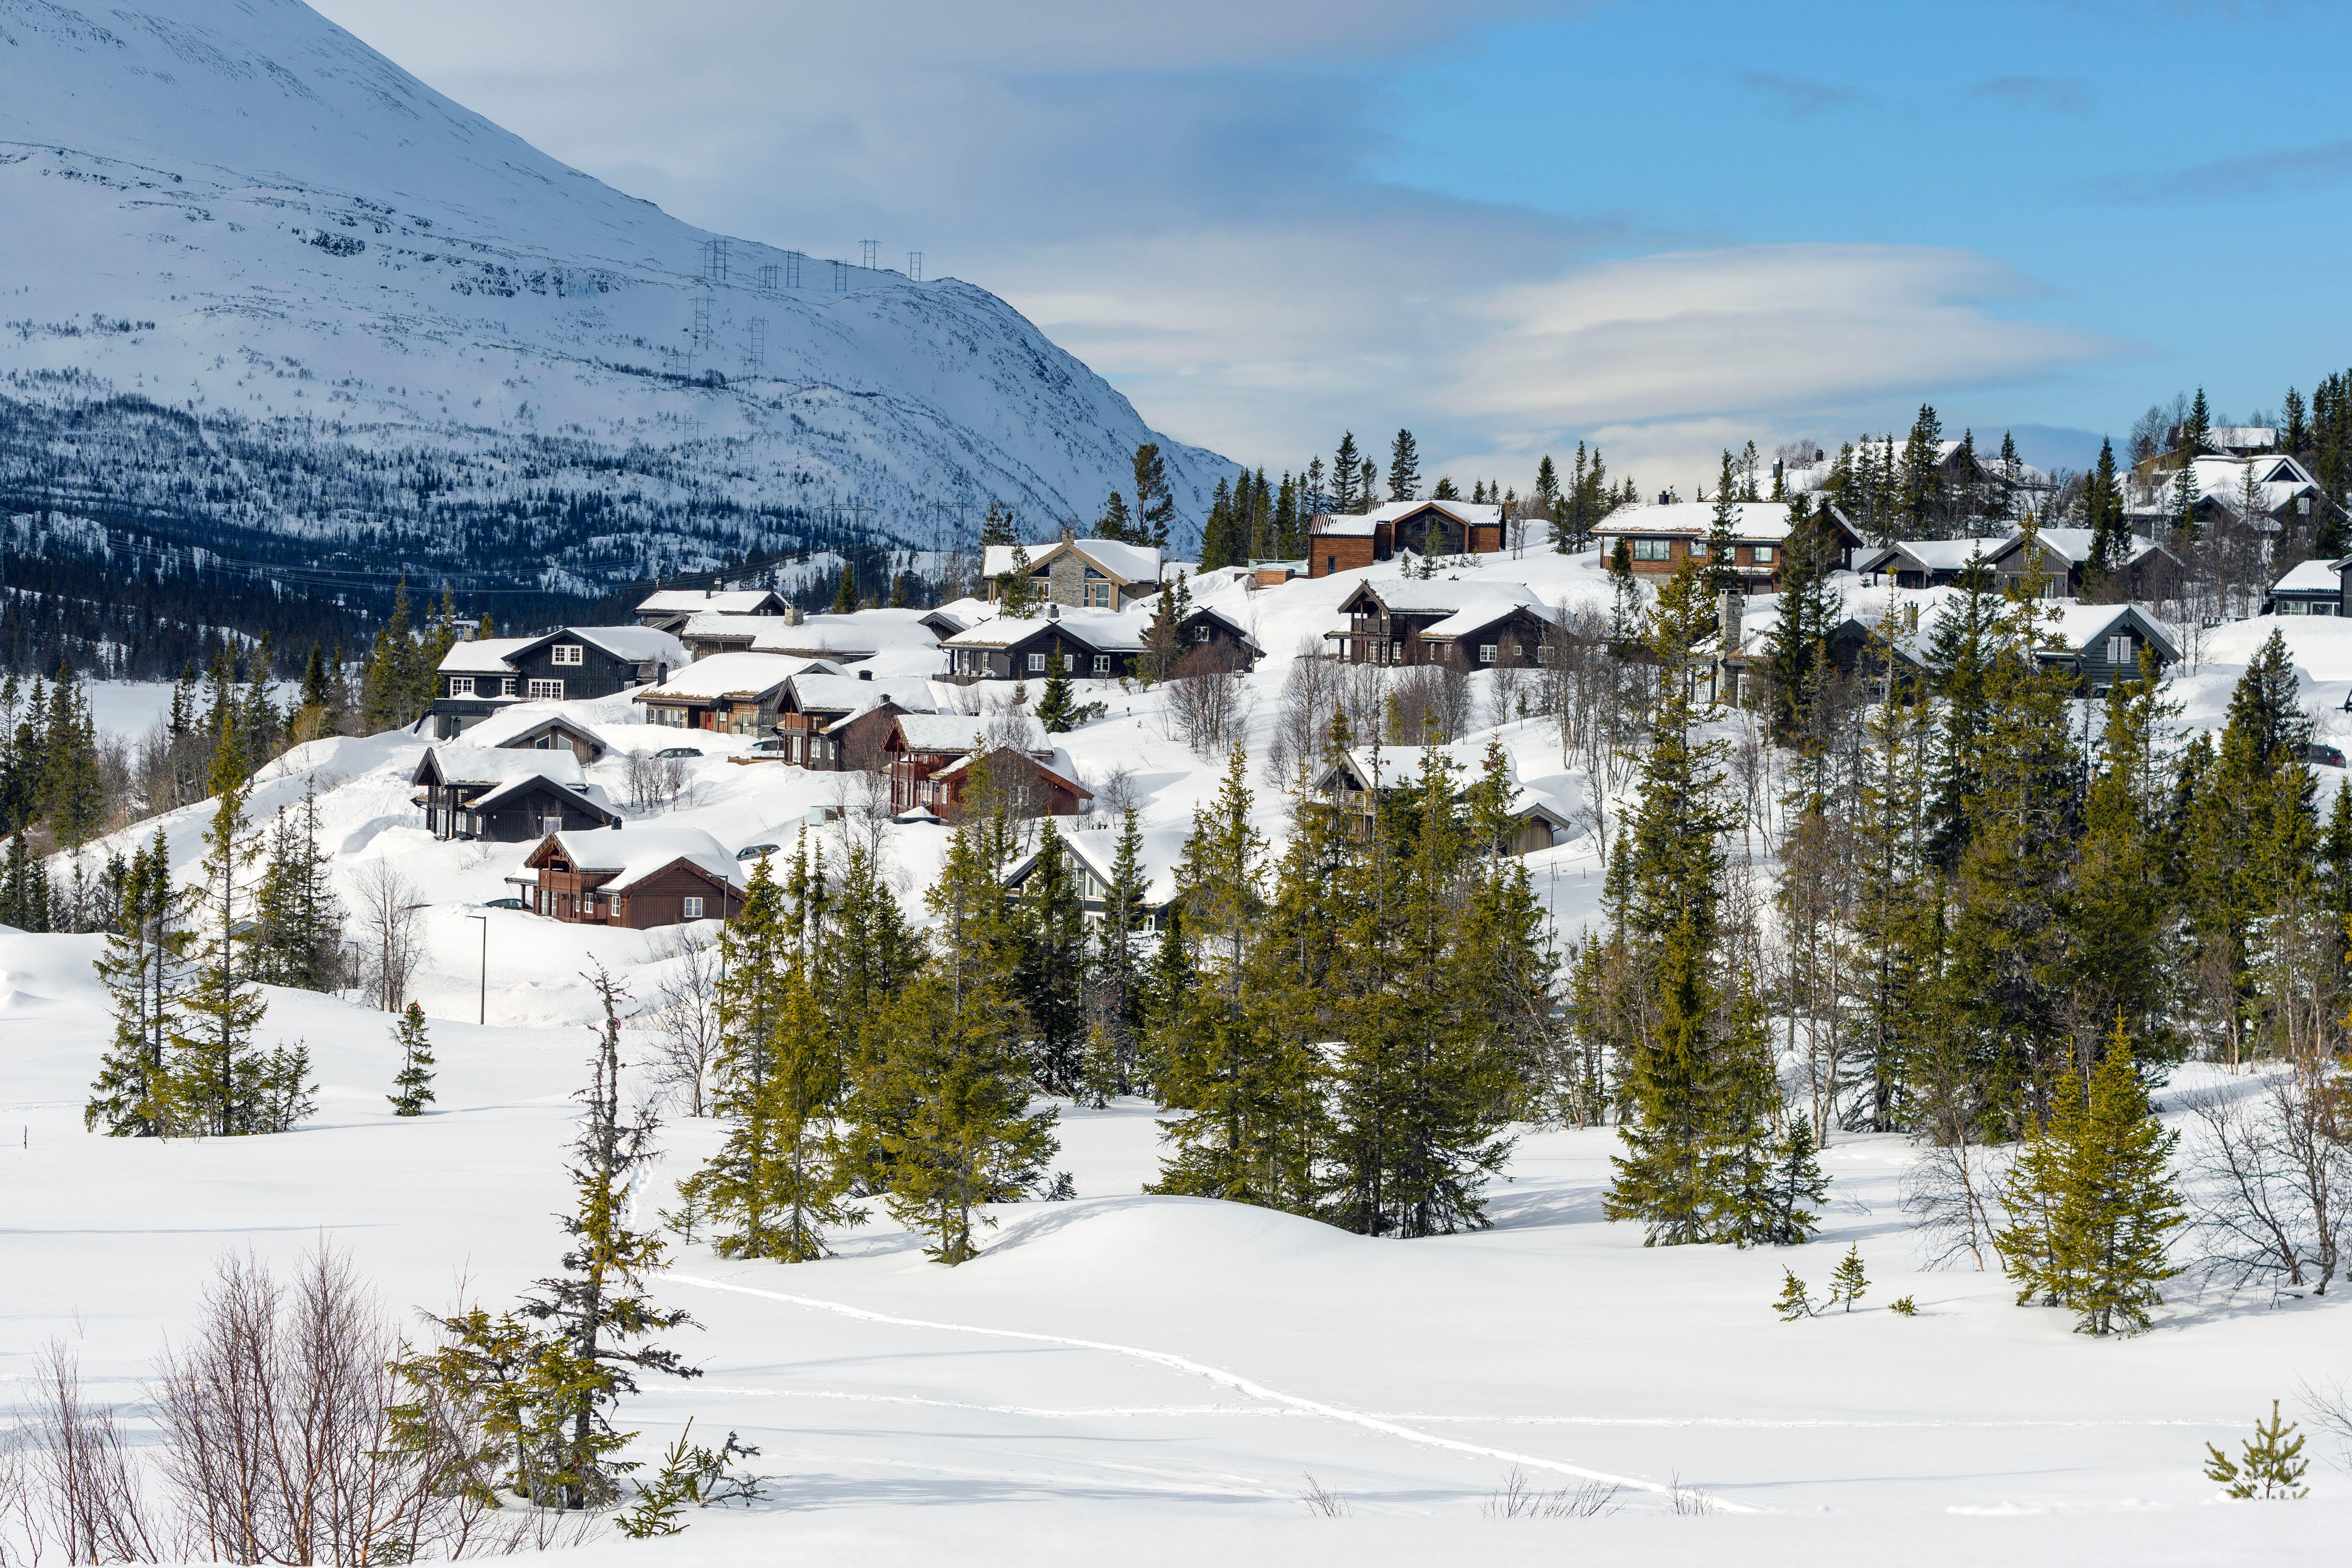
597,1306
298,922
1049,976
1848,1280
413,1085
1405,467
1793,1189
387,682
224,1004
1057,709
1116,522
1115,998
845,595
144,970
949,1077
779,1182
1346,493
2092,1200
1722,574
1797,650
1244,1089
1155,503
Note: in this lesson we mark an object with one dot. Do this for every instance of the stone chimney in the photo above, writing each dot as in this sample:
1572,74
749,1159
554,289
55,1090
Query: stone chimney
1732,601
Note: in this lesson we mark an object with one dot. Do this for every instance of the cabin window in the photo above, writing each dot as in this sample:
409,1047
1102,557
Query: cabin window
2322,609
1201,633
547,692
461,686
1102,664
1766,554
1650,549
691,909
1396,651
506,686
1036,664
1486,653
568,653
1331,564
551,824
1698,549
2119,649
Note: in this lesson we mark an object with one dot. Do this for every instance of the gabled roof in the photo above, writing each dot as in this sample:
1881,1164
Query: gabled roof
2078,627
1752,522
846,694
961,732
1203,612
1161,850
1361,525
484,656
513,725
458,762
1933,555
2310,577
1441,596
728,602
714,625
2073,545
1119,562
585,798
1105,631
725,675
1401,767
859,634
1053,761
640,645
634,854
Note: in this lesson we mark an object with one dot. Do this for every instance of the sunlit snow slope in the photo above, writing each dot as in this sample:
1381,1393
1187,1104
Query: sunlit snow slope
234,209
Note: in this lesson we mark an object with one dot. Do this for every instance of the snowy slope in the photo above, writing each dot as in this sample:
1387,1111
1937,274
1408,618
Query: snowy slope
237,211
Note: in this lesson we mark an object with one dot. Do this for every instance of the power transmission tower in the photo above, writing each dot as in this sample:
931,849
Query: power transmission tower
755,352
700,340
767,277
914,265
714,262
869,253
793,269
841,277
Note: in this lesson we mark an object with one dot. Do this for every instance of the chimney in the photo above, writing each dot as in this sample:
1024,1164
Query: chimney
1054,611
865,675
1664,497
1728,614
1069,534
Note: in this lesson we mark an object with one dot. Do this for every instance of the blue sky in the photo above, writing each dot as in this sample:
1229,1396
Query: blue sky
1510,224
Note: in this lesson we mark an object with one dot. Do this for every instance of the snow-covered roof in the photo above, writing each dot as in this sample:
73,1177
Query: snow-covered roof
640,645
2309,577
963,731
1756,522
634,854
2077,625
486,655
2242,437
522,720
1936,554
2023,473
1360,525
1053,759
2073,545
1122,562
590,797
1158,852
2279,480
734,674
727,624
695,601
459,762
848,694
1107,631
861,635
1401,767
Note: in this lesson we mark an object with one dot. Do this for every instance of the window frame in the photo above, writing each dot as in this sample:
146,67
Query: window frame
1102,665
690,906
539,692
568,653
1487,653
461,686
1650,549
1036,664
1764,554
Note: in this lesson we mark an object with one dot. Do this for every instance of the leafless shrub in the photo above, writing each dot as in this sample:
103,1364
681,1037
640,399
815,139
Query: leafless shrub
2330,1408
1430,702
1116,791
80,1488
1949,1194
2272,1179
1513,696
1363,700
685,1023
861,798
1321,1500
390,945
1519,1498
1302,725
657,784
287,1437
1208,703
1682,1499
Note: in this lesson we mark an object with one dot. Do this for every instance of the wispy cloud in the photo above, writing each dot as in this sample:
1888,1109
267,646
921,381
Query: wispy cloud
2248,175
2066,94
1801,97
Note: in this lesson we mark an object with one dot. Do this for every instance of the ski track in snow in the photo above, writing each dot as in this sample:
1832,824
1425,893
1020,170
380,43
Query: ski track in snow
1234,1381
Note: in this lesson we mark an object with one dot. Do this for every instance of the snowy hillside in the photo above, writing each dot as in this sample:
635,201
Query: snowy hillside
319,300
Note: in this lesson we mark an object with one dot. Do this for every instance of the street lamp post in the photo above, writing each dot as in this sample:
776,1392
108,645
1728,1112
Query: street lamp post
482,1009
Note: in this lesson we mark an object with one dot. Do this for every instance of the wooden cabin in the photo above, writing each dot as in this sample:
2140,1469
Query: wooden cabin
1348,541
639,877
505,796
478,679
1082,574
1442,621
1659,538
729,693
669,609
1358,780
838,723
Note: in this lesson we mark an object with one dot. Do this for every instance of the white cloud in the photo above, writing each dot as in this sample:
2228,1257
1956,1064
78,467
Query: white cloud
1178,195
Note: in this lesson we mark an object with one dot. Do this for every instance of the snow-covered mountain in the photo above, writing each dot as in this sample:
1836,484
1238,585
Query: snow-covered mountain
311,296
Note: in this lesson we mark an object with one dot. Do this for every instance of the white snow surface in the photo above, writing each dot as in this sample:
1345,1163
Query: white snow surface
236,206
1151,1380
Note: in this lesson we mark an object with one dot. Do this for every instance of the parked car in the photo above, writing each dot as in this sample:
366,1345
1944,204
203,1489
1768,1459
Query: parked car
678,751
506,904
753,851
772,743
2326,755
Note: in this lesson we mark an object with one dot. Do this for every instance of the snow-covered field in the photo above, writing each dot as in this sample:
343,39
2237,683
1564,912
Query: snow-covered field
1153,1379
